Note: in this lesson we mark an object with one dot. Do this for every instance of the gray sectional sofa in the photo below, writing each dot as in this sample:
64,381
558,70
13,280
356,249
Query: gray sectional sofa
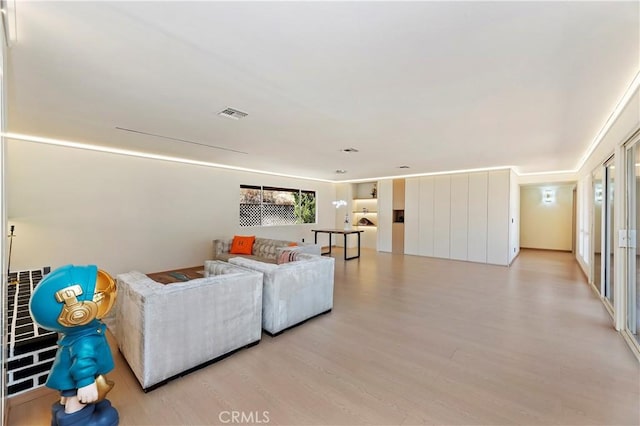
293,292
164,331
264,249
167,330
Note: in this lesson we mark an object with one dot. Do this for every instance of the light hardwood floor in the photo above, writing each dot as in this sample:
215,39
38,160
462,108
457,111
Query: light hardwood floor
414,340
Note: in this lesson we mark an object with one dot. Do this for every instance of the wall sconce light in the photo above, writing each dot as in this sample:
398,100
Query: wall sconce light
548,196
598,194
339,203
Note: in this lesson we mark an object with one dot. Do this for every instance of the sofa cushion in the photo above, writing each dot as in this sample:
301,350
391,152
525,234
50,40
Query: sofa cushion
216,267
253,264
268,248
242,244
226,256
286,256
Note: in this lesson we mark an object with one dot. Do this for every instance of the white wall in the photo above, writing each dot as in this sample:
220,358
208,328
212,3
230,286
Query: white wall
565,177
514,214
498,217
546,225
584,194
344,192
124,213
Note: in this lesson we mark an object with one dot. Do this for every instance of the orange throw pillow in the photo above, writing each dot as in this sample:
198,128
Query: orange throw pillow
293,244
242,245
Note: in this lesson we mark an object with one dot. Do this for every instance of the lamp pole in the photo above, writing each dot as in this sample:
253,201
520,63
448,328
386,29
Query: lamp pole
11,235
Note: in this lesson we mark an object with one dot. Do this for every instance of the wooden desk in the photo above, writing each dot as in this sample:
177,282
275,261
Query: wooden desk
340,232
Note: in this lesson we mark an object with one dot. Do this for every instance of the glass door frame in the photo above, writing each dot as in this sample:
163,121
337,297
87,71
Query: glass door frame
606,238
629,284
609,194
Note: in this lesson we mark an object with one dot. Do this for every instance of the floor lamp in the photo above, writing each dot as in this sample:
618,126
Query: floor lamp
11,235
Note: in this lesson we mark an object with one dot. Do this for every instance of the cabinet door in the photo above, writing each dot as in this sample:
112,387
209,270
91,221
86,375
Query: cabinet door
398,194
442,217
498,218
459,215
427,186
477,240
412,216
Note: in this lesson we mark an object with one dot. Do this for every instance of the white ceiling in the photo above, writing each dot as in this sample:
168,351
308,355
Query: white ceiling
437,86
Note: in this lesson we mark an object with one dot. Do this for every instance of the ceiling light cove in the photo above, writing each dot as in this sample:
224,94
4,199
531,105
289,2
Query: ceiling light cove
132,153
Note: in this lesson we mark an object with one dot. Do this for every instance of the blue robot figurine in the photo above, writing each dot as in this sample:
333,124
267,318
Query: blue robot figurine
71,300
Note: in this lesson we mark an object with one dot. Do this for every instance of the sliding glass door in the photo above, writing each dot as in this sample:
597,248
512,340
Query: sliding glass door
603,230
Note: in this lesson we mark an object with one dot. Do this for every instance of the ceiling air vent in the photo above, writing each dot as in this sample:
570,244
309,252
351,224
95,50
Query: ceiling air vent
234,114
349,150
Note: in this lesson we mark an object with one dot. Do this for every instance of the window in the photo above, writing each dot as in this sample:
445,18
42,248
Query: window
269,206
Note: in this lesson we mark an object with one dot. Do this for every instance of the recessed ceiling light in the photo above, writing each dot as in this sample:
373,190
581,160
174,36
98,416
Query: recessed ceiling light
349,150
404,167
341,171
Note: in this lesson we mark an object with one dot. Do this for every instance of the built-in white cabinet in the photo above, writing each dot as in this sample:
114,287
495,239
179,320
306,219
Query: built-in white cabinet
411,216
442,216
459,216
477,224
426,215
498,218
463,216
